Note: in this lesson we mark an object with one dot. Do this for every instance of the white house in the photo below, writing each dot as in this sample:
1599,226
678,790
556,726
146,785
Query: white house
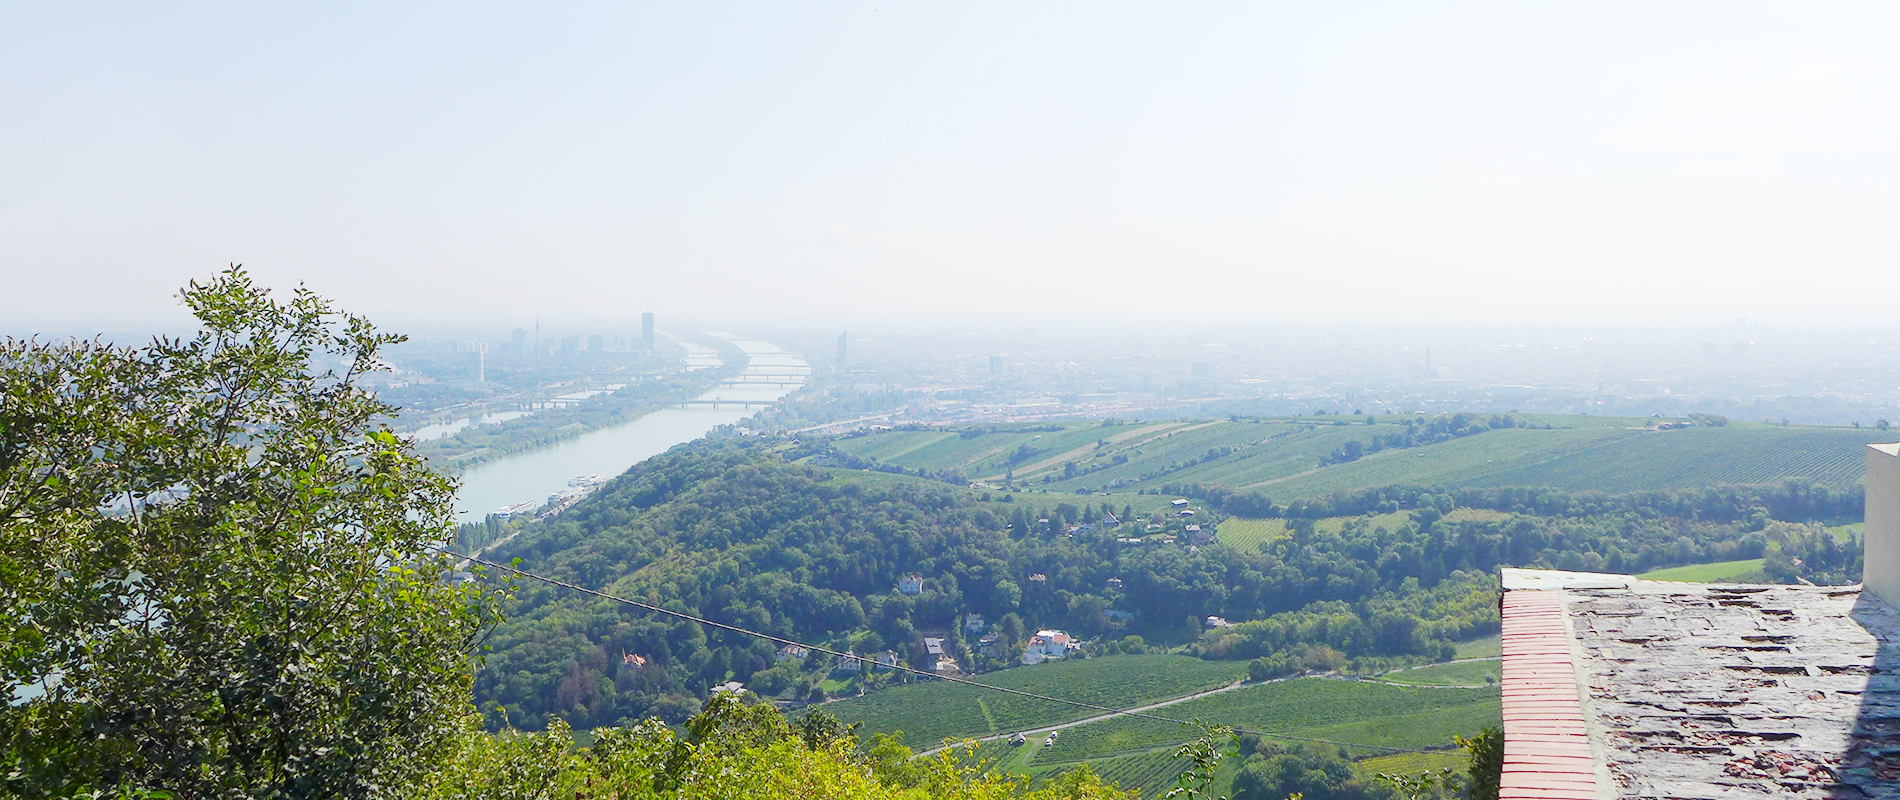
990,645
729,687
911,584
973,623
1180,503
1049,645
851,662
792,651
887,660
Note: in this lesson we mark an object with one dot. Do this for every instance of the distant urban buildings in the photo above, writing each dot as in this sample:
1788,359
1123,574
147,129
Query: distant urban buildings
646,330
841,353
595,344
996,365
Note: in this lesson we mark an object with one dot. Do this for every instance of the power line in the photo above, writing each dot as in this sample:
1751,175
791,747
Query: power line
902,668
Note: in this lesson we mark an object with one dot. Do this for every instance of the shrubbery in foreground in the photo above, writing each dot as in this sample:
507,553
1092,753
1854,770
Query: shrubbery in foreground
730,750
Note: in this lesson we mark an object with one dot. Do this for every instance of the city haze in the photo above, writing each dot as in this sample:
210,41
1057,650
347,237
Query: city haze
845,165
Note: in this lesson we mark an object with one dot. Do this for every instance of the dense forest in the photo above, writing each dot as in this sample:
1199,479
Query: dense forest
733,531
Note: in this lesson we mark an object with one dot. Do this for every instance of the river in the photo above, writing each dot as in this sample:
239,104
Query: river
533,475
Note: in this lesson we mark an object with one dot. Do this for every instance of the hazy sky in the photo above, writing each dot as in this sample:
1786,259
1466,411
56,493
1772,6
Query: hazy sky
1592,163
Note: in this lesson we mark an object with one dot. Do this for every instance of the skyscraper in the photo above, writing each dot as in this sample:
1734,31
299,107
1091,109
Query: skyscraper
841,341
646,330
996,365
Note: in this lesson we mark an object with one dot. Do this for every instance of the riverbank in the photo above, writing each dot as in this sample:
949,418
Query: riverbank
470,446
533,474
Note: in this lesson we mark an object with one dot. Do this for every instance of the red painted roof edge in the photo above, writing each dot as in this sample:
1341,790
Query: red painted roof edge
1546,749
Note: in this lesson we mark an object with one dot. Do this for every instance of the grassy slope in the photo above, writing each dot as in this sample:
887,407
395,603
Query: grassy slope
1470,673
929,712
1707,573
1488,647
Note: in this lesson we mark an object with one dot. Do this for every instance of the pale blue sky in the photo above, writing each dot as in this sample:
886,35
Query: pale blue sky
1590,163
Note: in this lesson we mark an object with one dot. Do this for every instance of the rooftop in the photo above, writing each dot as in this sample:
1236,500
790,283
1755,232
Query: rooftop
1615,686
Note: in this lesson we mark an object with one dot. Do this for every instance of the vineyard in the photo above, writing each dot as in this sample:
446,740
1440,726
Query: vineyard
1411,763
1151,774
1702,456
929,712
1286,458
1249,534
1357,712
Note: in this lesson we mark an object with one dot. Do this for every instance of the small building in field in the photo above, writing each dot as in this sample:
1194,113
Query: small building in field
1180,503
947,666
1218,622
792,651
850,662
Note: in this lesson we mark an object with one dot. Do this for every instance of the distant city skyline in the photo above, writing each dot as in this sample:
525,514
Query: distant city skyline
861,166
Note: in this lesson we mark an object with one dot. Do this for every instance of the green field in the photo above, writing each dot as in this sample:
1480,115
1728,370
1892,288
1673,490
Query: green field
1470,673
1487,647
929,712
1708,573
1281,457
1250,533
1356,712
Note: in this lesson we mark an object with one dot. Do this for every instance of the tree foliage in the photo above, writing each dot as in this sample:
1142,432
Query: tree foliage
214,567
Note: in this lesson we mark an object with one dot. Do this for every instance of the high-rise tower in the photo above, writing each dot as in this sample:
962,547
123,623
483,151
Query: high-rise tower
646,330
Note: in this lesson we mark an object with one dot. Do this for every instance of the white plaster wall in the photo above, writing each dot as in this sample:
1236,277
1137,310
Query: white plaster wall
1880,569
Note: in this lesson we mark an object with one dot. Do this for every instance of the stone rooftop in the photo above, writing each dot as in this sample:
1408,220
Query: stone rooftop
1698,690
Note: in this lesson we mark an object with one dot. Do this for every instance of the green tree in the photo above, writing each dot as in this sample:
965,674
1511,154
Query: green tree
1486,769
215,574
